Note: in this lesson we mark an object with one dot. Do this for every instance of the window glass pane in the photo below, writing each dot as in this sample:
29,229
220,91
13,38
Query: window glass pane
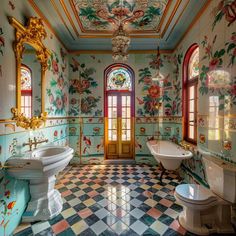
114,101
191,116
193,69
191,132
119,79
109,101
25,78
191,106
191,92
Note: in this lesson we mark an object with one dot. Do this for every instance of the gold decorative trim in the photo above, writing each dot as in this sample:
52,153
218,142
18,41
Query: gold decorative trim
41,15
76,52
28,123
62,19
32,34
69,17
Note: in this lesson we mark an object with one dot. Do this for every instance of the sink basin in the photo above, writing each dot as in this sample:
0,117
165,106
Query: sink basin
40,167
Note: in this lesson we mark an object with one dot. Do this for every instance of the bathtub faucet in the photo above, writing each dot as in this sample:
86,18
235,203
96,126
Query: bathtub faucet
184,145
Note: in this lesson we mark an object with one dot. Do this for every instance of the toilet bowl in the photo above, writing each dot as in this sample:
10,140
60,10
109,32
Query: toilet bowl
207,211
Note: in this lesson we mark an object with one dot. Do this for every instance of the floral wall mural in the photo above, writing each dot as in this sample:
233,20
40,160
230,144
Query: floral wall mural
87,86
57,91
216,99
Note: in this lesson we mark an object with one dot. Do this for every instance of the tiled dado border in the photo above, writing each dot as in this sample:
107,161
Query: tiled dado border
9,126
225,122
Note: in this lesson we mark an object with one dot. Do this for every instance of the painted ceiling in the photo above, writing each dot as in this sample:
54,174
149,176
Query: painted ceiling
89,24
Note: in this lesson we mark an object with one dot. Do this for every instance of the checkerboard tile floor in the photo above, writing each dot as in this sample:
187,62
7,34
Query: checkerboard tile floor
113,200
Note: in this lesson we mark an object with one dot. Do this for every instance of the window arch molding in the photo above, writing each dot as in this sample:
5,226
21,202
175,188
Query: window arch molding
189,97
107,72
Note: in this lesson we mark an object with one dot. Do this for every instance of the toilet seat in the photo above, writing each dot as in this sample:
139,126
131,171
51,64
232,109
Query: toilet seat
195,194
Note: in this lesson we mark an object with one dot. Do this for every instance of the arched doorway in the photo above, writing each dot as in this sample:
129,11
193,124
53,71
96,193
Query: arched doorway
119,112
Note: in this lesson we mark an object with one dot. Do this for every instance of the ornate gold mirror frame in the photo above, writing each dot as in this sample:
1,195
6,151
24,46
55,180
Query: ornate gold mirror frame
33,34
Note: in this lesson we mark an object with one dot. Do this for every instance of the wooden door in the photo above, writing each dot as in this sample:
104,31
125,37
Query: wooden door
119,126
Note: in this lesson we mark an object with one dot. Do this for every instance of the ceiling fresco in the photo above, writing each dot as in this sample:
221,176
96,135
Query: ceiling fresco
104,16
90,24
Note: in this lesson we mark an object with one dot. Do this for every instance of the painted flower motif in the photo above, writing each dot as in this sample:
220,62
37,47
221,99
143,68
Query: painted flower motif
156,63
73,101
55,67
65,98
120,11
60,82
85,84
233,90
147,80
7,194
59,103
230,12
51,98
154,91
55,134
214,63
227,145
202,138
11,205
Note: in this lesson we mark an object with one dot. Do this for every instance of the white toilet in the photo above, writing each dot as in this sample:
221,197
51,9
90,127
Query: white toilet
207,211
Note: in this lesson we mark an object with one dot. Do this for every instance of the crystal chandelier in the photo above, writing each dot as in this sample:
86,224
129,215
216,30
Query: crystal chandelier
158,75
120,41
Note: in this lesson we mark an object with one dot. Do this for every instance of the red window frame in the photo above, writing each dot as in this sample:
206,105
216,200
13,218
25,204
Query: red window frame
187,83
27,93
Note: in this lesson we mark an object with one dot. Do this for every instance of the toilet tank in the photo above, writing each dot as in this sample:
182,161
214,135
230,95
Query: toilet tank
221,177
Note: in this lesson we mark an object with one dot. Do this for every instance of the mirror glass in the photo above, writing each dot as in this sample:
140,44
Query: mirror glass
30,83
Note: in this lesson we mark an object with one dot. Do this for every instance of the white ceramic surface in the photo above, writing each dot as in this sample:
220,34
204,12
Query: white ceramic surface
209,211
40,167
168,153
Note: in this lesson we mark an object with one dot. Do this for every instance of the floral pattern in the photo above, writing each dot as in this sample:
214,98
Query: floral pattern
226,8
57,90
100,15
82,86
218,83
7,204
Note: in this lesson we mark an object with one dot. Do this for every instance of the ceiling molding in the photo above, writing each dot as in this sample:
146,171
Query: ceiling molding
196,18
108,34
41,15
77,52
62,19
179,17
69,17
171,17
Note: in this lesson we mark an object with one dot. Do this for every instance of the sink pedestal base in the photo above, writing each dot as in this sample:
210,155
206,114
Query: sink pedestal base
45,202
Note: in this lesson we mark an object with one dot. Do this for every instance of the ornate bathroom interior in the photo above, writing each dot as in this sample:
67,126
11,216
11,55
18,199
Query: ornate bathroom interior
117,117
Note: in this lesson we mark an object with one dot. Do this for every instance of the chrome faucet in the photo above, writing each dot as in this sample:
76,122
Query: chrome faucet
34,142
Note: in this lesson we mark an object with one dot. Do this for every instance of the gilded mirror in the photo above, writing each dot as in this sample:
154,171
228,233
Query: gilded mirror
31,65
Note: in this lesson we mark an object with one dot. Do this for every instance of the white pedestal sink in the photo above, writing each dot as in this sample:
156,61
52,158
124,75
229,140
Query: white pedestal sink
40,167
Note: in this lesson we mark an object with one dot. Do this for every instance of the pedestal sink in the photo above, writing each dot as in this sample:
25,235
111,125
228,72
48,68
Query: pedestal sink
40,167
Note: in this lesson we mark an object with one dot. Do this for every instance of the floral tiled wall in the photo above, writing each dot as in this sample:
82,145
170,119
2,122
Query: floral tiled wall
215,34
14,194
86,98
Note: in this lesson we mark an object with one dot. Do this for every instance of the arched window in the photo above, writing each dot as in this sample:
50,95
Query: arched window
119,111
190,81
26,91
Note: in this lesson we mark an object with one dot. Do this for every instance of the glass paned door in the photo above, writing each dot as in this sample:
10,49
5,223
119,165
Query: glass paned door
119,127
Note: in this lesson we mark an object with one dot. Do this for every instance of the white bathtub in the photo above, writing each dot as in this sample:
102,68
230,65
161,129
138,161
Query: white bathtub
169,154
